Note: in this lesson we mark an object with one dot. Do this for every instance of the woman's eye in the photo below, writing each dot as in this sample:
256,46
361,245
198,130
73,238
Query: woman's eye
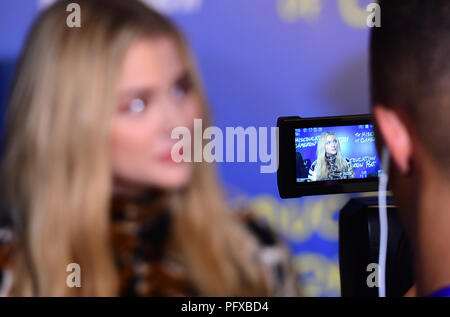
137,106
181,88
179,92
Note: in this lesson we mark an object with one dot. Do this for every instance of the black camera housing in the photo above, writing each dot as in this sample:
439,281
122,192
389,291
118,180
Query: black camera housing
288,187
359,242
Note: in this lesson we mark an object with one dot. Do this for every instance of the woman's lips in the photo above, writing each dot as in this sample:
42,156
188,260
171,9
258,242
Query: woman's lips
167,157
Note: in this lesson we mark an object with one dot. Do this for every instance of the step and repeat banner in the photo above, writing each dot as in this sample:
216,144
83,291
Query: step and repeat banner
261,59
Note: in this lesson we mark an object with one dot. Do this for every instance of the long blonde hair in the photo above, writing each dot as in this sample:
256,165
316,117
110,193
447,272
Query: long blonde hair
321,165
56,172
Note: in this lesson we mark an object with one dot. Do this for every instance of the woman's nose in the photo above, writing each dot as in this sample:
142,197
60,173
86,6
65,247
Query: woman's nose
172,115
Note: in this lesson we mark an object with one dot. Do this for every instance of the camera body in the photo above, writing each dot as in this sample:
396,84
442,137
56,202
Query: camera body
359,239
356,165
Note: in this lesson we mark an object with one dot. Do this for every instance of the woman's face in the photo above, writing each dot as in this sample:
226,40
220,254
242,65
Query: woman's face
331,145
154,96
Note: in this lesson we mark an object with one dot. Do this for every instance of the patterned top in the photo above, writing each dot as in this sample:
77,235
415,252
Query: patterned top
147,267
334,172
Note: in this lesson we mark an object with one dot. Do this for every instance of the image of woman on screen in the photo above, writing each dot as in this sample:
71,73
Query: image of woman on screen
330,164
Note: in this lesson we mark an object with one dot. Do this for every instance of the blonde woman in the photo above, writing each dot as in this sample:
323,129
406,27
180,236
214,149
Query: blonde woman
88,178
330,164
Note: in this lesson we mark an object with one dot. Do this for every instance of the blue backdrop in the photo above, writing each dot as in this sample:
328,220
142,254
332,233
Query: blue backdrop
261,59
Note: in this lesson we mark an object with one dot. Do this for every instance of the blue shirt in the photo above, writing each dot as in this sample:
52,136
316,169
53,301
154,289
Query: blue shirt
443,292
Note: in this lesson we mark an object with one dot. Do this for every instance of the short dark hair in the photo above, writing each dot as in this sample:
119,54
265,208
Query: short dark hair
410,67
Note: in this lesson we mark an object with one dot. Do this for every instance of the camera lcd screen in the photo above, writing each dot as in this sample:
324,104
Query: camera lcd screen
336,153
327,155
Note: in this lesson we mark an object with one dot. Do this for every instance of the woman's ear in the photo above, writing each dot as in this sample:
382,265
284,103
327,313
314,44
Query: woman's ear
395,136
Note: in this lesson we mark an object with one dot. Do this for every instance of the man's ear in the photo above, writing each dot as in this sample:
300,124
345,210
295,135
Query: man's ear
395,135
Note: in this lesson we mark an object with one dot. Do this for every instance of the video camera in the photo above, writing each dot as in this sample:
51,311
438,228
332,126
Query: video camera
333,155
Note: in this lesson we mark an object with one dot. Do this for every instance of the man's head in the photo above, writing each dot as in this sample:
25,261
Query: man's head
410,85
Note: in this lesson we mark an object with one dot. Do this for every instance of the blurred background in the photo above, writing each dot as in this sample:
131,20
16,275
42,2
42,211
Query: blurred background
261,59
